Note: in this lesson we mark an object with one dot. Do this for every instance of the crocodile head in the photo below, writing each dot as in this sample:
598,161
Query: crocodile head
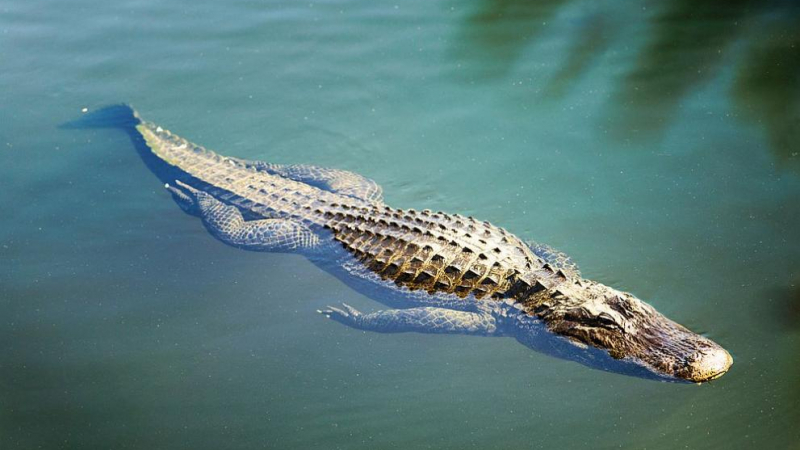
630,331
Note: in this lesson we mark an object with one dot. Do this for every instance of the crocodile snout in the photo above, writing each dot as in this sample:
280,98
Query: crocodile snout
706,365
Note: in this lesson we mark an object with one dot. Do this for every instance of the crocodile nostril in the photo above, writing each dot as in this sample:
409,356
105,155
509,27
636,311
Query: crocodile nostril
707,365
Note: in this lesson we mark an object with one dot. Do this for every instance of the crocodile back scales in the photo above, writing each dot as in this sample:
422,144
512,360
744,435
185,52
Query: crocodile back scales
435,252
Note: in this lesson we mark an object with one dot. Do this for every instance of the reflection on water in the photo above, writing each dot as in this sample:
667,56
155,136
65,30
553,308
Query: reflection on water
592,39
767,87
492,39
688,43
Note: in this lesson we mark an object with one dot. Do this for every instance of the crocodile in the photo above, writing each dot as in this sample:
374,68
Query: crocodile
437,272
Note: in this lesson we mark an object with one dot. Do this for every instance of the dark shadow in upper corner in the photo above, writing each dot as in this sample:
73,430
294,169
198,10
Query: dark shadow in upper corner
591,41
767,87
688,43
491,40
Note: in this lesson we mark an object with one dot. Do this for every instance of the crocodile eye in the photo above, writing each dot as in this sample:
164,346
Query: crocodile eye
606,321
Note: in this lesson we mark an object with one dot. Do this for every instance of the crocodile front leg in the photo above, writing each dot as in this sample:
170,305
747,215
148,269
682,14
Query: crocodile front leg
422,320
226,223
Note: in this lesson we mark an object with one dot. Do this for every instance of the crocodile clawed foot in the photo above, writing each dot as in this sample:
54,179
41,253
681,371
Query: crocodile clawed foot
346,314
177,192
187,187
184,196
189,198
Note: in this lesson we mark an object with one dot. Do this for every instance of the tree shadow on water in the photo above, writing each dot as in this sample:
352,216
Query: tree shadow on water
687,44
689,48
591,40
493,38
689,40
767,89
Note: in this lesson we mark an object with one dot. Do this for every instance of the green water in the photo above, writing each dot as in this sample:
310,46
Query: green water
655,142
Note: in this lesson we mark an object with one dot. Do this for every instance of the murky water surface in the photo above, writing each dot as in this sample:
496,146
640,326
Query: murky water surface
655,142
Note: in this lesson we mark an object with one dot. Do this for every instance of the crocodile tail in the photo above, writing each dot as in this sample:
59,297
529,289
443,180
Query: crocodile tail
125,118
112,116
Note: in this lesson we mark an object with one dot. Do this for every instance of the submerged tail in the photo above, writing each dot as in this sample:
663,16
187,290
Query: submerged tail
112,116
124,117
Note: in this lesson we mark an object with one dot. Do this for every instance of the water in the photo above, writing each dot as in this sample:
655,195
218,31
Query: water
654,142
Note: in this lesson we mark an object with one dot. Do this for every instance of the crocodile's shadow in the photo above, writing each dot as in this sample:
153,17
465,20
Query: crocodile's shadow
119,117
559,347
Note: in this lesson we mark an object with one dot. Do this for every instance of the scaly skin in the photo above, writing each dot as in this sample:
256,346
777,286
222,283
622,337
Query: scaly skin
447,273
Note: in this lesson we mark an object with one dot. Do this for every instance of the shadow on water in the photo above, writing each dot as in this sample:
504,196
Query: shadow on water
591,41
688,49
122,117
787,310
493,38
689,40
767,88
555,346
688,46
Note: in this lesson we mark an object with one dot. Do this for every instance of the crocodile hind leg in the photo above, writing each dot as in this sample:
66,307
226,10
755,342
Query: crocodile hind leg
333,180
422,320
227,224
184,200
